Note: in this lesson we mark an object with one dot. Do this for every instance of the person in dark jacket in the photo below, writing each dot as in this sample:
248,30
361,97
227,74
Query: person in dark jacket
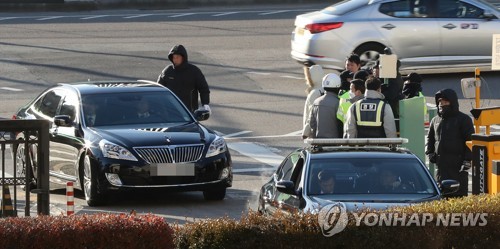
412,86
445,145
393,89
185,80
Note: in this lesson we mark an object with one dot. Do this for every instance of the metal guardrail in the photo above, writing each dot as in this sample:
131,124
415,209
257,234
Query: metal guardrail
36,157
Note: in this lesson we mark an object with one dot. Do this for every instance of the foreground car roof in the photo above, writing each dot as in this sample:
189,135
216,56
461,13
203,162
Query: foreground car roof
113,86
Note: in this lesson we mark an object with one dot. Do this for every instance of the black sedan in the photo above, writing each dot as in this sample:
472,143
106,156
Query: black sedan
107,136
361,173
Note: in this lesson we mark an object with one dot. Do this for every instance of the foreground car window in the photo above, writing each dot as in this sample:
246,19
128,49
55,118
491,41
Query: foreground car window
369,176
133,108
406,8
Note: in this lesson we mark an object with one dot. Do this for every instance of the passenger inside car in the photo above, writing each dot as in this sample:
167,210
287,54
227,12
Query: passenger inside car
326,181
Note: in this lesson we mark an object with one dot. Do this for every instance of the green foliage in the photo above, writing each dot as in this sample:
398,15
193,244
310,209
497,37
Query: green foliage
86,231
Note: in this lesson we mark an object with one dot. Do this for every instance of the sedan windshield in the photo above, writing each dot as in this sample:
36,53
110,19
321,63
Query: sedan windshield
361,176
133,108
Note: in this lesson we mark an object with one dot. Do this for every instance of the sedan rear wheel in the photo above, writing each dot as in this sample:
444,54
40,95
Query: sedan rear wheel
215,194
369,53
22,166
90,186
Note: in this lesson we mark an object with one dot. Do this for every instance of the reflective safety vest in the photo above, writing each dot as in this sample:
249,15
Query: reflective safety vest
369,114
344,105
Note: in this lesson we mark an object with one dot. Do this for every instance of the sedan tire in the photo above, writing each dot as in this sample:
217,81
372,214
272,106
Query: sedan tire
90,186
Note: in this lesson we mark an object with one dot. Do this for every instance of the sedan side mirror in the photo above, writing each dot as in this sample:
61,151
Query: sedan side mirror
201,115
448,187
488,15
287,187
63,120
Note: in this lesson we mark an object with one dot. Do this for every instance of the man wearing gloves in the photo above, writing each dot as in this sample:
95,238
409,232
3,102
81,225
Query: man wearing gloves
185,80
446,139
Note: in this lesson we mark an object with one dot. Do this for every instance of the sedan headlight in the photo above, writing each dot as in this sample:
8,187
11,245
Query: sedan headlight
111,150
216,147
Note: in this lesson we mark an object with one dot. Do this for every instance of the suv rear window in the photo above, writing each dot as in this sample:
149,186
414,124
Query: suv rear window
344,7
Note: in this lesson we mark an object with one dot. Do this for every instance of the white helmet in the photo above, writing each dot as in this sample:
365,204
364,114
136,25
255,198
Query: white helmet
331,80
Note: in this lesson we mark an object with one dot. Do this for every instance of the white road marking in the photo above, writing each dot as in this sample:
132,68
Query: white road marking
49,18
294,134
273,12
259,73
93,17
7,18
137,16
226,13
257,152
11,89
252,170
237,134
292,77
181,15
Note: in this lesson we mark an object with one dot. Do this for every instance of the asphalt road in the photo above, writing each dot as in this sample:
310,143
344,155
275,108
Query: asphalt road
257,91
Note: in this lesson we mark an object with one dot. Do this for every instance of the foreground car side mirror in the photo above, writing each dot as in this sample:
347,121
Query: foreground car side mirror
448,187
63,120
287,187
201,115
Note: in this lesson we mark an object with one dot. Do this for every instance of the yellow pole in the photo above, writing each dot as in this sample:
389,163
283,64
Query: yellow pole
478,97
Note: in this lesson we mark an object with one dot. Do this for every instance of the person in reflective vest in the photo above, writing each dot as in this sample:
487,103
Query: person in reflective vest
356,92
370,117
346,95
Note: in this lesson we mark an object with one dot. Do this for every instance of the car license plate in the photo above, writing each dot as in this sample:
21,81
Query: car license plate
173,169
299,31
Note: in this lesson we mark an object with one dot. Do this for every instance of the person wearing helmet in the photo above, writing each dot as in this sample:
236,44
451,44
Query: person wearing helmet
314,74
323,120
370,117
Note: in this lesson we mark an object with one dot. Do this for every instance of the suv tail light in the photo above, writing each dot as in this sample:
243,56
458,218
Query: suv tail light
321,27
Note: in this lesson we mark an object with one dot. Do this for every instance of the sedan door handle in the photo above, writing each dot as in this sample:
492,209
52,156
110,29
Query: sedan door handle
388,26
449,26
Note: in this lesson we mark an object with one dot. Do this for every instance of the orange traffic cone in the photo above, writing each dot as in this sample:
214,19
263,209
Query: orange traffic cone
7,208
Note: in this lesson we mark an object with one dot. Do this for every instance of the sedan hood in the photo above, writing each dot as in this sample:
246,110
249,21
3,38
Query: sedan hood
354,205
191,133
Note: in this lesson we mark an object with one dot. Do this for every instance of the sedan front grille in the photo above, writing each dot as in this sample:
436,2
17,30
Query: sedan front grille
171,154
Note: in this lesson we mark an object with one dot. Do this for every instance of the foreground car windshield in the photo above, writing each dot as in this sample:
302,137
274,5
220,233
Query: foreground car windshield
368,176
133,108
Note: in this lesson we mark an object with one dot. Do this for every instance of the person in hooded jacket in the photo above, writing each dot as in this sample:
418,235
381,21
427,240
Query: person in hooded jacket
314,74
445,145
185,80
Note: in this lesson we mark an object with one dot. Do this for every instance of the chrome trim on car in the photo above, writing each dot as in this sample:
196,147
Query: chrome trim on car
171,153
170,186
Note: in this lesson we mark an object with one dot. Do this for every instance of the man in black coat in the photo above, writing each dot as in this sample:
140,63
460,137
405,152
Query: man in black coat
185,80
446,139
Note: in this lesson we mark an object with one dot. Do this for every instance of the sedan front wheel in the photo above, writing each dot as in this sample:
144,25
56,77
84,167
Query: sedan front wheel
90,186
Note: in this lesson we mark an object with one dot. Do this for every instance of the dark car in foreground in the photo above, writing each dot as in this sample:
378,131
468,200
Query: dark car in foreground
117,135
364,173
